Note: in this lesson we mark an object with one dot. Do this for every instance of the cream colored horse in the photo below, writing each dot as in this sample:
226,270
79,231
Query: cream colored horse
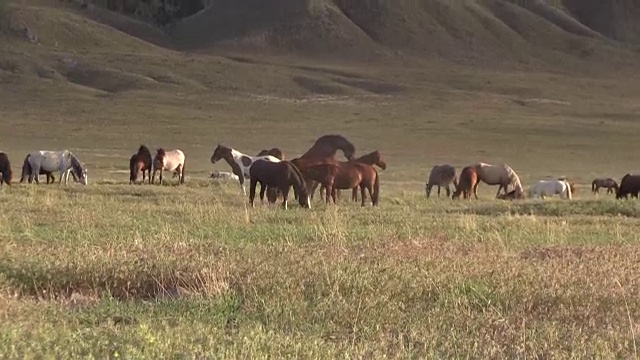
551,187
172,160
502,175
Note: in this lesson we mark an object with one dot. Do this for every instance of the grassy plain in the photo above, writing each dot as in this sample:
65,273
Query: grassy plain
117,271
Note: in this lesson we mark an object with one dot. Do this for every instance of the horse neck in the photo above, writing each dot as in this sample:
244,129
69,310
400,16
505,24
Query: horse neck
234,159
298,182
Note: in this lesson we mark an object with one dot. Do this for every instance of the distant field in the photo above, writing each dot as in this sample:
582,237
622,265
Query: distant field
119,271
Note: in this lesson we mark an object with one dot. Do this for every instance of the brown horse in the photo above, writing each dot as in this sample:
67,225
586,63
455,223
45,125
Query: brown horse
5,169
275,152
140,161
281,175
328,145
441,176
27,172
324,174
467,183
349,175
372,158
609,183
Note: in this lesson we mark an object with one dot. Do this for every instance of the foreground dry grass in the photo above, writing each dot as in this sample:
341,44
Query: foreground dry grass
112,270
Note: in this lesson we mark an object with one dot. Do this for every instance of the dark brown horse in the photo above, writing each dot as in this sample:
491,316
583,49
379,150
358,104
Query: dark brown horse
609,183
629,185
5,169
281,175
328,145
140,161
467,184
275,152
27,173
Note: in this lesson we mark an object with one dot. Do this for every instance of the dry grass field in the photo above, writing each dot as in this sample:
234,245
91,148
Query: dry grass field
112,270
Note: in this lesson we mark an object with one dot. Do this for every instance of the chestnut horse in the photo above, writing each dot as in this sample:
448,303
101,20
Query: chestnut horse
140,161
467,183
5,169
328,145
372,158
281,175
349,175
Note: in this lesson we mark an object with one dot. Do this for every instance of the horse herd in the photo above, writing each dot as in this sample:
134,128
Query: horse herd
316,167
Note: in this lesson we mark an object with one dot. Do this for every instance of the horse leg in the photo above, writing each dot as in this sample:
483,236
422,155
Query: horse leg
333,194
448,191
354,194
370,190
285,194
362,193
262,190
252,191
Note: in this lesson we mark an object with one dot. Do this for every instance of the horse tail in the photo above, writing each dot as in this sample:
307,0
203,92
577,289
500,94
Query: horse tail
375,197
182,172
569,195
26,168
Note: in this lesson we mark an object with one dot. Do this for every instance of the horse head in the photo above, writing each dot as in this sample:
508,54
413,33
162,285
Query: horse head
79,171
220,152
380,160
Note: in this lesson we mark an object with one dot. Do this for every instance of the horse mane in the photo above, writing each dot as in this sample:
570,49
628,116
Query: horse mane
301,187
143,150
76,165
161,153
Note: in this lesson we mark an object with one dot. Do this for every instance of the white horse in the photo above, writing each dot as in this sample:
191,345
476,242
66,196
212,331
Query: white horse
240,163
63,161
170,160
551,187
224,176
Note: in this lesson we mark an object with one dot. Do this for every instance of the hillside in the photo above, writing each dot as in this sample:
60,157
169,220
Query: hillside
475,32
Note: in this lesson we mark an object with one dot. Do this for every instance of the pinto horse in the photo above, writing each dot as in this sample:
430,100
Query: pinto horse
609,183
240,163
281,175
5,169
328,145
140,161
172,160
63,161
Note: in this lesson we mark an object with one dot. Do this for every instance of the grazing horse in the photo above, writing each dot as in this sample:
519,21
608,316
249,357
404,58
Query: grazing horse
467,183
172,160
629,185
441,176
27,171
281,175
275,152
502,175
328,145
545,188
63,161
5,169
609,183
240,163
140,161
